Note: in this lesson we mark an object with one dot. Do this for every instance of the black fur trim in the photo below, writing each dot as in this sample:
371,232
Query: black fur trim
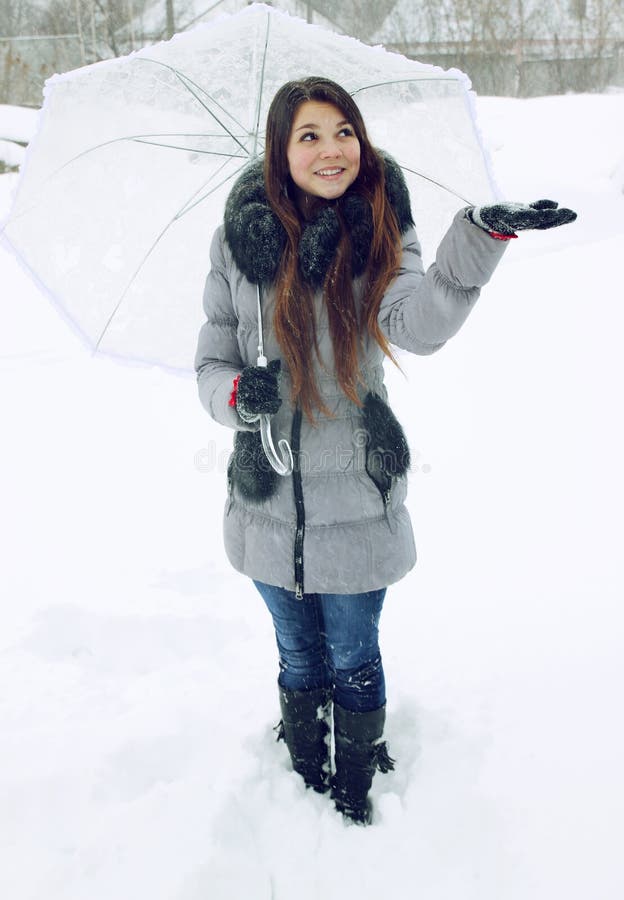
318,245
249,469
257,239
387,451
398,194
358,219
252,231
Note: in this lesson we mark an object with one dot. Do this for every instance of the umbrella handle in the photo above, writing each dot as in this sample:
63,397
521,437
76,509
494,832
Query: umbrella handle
282,462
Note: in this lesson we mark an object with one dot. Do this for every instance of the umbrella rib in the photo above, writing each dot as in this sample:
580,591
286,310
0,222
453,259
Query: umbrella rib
189,149
189,134
437,183
208,110
182,211
177,72
261,88
187,82
139,139
367,87
186,209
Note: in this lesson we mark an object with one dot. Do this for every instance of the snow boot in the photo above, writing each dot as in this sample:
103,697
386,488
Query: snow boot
305,729
359,753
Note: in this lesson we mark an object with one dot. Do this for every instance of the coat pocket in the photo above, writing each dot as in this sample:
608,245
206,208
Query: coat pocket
249,469
387,452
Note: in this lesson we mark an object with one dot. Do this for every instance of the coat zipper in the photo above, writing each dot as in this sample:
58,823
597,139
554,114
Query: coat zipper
295,443
386,497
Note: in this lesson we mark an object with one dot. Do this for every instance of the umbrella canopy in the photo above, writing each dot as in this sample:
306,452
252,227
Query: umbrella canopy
127,176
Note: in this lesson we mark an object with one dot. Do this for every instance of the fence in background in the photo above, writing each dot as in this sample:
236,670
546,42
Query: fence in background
530,70
527,71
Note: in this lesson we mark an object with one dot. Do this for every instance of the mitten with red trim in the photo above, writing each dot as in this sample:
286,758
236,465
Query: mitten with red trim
506,218
257,391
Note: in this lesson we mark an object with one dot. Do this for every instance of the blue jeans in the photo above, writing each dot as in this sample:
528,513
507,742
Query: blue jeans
329,641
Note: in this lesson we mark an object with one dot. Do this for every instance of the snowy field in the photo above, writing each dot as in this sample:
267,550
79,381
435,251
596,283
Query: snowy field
137,671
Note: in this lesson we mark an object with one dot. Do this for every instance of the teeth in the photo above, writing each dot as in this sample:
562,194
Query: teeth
329,171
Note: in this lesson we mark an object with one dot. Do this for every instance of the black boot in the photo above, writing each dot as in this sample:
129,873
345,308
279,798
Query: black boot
305,728
357,758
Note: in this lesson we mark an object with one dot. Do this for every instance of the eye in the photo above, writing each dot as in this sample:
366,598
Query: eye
308,136
347,131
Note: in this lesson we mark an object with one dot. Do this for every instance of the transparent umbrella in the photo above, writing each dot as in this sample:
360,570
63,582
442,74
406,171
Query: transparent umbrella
127,176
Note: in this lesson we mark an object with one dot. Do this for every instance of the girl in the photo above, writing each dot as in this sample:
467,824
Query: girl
322,227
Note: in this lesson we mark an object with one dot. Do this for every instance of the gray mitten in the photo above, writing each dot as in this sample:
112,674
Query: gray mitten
257,391
507,218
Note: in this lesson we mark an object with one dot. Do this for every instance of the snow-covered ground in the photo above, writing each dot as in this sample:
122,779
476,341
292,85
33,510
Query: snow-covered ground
17,127
17,123
137,671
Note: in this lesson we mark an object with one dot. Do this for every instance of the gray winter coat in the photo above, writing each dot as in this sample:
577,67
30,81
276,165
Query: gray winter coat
338,524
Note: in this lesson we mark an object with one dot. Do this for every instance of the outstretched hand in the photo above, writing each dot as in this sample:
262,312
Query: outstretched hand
507,218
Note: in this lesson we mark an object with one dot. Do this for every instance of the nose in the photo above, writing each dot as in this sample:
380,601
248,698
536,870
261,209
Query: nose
331,149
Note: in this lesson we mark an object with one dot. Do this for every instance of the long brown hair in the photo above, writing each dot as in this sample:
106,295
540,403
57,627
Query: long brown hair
294,321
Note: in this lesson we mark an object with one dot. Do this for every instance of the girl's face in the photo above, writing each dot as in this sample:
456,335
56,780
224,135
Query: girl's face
323,151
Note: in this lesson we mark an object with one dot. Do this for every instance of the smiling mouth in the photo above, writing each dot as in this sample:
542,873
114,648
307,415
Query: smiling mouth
327,173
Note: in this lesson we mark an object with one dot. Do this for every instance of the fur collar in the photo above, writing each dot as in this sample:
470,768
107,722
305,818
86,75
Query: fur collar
257,239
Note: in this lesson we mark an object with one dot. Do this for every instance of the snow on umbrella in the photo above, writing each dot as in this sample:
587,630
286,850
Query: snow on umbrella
127,176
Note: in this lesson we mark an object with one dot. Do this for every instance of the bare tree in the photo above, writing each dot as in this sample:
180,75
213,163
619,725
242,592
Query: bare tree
519,47
170,19
104,27
16,17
